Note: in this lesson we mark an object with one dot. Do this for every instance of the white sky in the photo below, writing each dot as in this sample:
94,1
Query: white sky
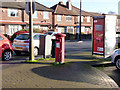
103,6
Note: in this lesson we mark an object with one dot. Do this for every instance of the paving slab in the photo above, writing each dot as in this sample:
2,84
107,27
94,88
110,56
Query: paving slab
45,75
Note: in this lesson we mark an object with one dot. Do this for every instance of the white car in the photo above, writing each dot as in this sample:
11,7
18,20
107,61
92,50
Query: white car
51,33
21,43
116,58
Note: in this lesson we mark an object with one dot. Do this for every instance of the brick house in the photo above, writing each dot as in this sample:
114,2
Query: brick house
14,18
66,18
63,18
86,20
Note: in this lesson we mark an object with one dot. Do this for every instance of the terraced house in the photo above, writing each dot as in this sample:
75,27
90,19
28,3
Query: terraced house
14,18
66,18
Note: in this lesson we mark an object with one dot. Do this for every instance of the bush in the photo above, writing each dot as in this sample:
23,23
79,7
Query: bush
39,31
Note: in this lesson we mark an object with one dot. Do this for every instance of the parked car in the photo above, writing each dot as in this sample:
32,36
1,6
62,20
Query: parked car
18,33
116,58
52,33
21,43
6,49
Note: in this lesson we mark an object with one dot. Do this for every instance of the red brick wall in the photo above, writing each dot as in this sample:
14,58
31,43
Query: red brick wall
22,16
40,17
6,17
85,21
64,22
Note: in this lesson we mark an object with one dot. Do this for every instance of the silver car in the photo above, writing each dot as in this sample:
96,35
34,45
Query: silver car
21,43
116,58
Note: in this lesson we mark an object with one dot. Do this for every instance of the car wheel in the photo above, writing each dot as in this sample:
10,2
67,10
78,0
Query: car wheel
35,51
7,55
118,64
17,52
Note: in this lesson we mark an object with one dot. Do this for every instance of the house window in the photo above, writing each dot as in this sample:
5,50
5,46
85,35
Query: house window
45,28
83,29
13,29
59,18
68,18
35,15
46,15
36,26
65,28
81,18
13,12
70,29
88,18
59,30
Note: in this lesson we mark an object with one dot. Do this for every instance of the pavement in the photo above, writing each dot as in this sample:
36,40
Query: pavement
77,73
43,74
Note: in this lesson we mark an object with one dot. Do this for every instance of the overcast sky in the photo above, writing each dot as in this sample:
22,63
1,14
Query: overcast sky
102,6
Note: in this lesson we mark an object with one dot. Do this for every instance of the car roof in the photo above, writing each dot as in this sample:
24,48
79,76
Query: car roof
34,33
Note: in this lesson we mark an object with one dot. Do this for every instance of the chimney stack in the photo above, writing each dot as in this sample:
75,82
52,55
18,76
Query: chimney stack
61,3
69,4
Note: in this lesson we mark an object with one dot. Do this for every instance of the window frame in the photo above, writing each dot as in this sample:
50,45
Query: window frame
36,26
59,18
45,28
13,29
69,18
12,10
82,20
46,15
35,15
88,18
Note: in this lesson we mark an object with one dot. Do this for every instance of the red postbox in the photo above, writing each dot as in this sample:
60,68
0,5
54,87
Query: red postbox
60,48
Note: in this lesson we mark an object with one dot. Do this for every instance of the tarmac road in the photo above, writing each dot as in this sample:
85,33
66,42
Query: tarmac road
70,48
75,47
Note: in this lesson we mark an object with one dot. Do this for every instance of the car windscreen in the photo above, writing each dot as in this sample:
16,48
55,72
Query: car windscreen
23,37
49,33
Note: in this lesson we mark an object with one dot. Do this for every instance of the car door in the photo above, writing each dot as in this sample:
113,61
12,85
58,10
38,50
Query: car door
36,40
1,43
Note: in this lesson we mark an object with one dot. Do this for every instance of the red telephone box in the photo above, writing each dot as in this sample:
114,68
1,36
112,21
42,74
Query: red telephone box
104,35
60,48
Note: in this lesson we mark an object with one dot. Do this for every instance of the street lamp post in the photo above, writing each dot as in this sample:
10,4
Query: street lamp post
31,49
80,21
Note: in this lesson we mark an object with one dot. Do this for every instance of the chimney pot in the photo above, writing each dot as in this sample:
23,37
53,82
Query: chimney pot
69,4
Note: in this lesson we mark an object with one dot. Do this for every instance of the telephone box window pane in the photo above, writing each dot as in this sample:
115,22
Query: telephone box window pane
98,27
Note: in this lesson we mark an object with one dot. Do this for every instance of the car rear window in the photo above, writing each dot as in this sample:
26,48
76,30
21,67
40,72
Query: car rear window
23,37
